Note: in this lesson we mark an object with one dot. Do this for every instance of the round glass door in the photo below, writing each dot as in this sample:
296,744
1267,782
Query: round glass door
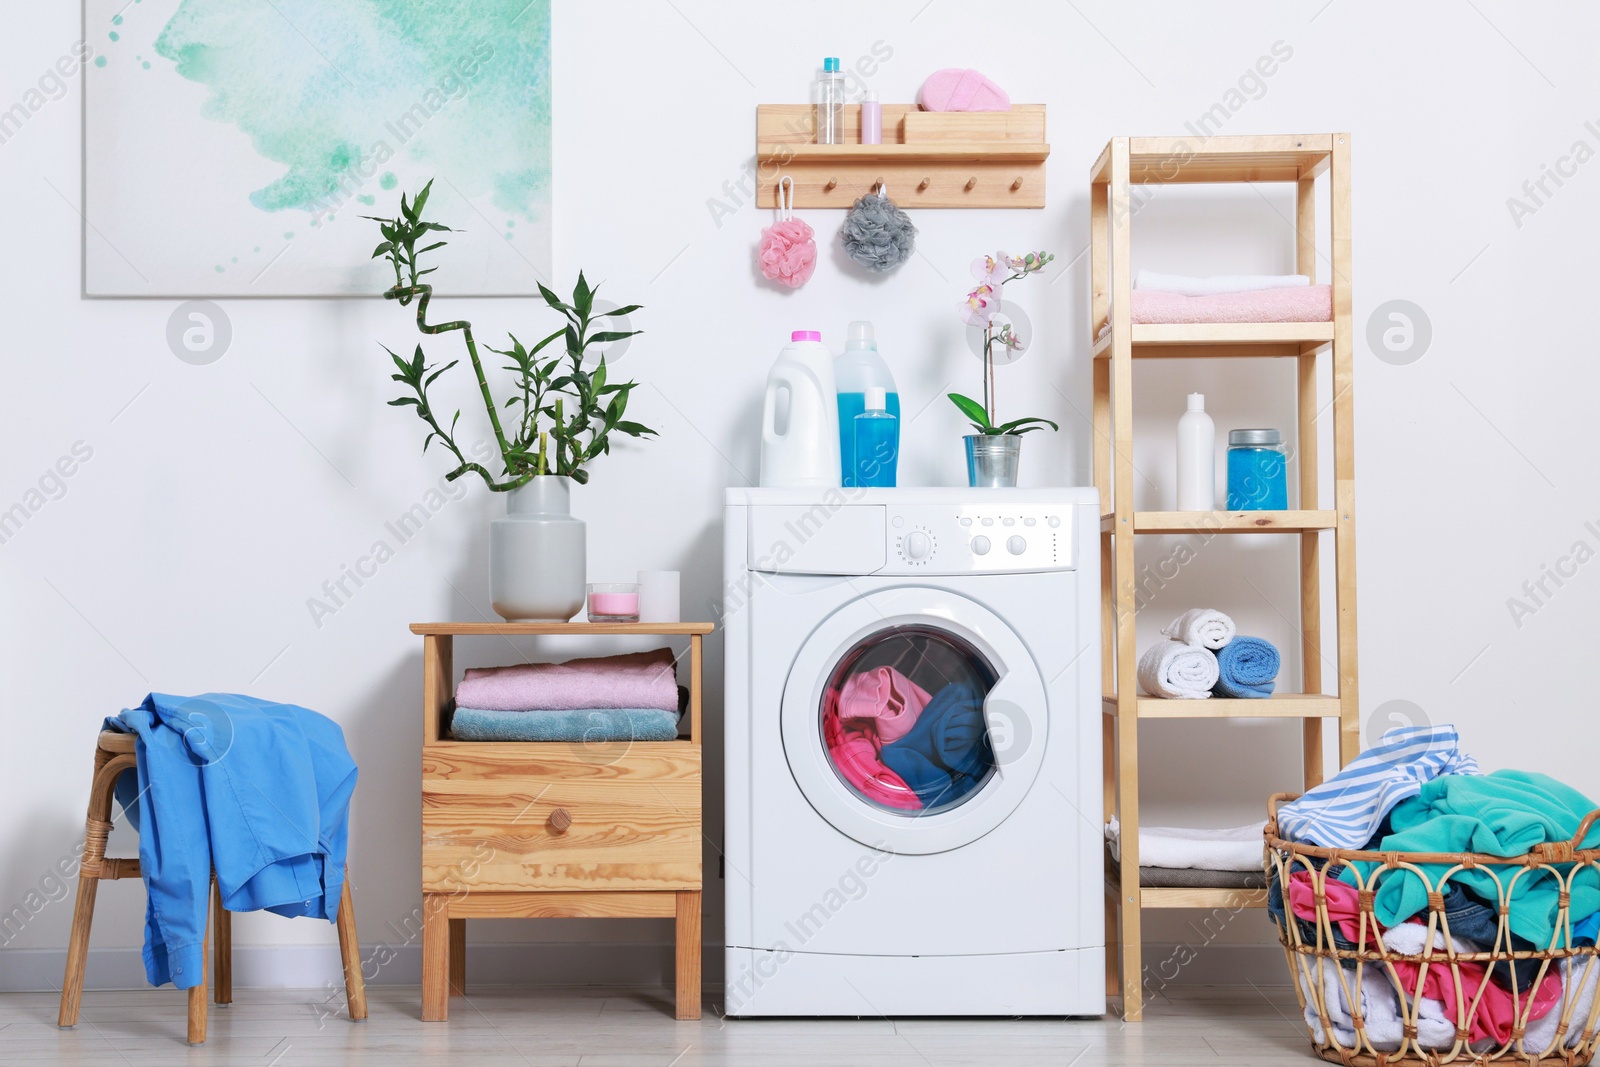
902,720
914,719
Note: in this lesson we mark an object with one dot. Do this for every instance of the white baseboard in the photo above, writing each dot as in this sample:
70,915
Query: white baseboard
551,964
318,966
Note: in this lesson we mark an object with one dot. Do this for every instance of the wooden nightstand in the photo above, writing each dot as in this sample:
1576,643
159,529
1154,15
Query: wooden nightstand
553,829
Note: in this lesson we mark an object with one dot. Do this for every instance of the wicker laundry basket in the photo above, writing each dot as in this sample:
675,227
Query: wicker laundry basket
1331,974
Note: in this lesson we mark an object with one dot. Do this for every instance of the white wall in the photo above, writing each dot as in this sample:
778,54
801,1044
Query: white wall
218,499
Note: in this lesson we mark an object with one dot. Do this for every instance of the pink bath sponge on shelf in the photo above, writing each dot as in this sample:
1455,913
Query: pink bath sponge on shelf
955,89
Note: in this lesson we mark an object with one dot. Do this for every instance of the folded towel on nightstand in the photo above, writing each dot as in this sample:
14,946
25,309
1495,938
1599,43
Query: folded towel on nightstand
635,680
587,725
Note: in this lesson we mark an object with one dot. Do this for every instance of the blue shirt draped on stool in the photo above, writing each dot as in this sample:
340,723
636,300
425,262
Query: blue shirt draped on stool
257,791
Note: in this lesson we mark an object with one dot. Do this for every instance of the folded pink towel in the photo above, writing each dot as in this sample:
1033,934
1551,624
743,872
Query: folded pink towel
635,680
886,697
1308,303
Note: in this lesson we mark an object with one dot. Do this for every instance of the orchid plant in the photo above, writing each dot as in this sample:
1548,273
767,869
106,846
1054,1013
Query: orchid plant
981,308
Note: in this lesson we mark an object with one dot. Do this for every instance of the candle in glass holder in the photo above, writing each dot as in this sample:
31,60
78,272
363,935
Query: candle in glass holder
614,602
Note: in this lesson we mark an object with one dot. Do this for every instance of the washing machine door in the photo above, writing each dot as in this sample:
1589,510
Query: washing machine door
914,720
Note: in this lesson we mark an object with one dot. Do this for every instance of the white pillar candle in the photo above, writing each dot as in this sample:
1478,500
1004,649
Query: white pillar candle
658,596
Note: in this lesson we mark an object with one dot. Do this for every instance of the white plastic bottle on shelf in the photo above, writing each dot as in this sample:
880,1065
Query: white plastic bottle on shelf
1197,458
801,447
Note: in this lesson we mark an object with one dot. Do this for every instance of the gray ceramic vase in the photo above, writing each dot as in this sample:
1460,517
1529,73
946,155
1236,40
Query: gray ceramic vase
537,559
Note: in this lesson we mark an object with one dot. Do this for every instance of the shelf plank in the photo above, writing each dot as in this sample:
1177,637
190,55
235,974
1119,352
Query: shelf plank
926,152
1221,340
1164,897
579,629
1225,522
1277,706
1186,896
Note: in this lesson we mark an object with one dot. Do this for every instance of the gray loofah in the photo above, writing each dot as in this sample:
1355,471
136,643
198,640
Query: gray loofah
877,234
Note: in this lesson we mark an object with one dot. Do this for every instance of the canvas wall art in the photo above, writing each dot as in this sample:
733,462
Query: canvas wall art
232,146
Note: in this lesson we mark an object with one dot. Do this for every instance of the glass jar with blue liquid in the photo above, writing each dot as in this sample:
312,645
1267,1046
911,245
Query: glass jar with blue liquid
1258,474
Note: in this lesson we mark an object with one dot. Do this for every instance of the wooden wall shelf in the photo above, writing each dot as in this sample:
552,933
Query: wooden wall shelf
973,159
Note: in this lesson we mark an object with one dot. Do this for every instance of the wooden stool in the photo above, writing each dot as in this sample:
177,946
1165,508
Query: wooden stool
114,754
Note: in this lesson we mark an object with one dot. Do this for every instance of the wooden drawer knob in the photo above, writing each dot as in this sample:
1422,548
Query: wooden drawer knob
560,820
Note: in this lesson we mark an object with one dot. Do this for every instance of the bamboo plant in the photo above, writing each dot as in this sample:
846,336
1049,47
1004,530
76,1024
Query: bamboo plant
554,401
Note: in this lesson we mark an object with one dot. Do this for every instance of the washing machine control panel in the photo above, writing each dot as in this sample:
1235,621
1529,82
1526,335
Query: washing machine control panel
974,538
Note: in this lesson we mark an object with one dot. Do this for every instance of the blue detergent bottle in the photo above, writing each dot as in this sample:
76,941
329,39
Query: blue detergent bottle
876,442
860,369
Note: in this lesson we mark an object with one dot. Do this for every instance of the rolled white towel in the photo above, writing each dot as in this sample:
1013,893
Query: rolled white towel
1211,284
1202,626
1178,671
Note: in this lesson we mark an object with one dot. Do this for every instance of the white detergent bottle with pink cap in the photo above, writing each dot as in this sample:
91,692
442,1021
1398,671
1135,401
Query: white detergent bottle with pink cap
800,417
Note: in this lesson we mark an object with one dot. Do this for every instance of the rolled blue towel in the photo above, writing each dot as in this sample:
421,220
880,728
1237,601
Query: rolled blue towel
590,725
1246,667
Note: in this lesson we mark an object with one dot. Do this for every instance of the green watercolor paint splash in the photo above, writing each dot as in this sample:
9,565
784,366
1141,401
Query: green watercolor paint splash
462,86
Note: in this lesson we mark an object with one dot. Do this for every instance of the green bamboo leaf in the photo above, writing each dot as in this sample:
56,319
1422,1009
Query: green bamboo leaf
430,379
608,336
582,297
633,429
619,312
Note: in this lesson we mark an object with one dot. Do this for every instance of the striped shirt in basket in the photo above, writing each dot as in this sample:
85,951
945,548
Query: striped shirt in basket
1347,809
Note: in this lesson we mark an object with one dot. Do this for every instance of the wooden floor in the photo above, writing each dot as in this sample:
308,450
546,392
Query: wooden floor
594,1027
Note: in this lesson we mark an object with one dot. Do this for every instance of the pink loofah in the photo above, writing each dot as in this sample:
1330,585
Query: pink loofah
788,252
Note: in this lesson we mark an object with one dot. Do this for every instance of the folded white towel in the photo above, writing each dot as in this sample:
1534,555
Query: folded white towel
1237,848
1211,284
1178,671
1202,626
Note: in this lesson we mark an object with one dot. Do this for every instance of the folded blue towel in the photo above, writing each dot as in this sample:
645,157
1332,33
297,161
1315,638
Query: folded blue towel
1246,667
946,752
591,725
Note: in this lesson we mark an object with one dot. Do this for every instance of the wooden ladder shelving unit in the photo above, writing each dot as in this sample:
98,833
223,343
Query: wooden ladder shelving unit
1127,161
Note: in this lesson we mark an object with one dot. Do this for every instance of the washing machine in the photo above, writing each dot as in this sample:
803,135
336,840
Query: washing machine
913,770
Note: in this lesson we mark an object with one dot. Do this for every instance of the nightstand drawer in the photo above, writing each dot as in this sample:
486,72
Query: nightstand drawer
511,817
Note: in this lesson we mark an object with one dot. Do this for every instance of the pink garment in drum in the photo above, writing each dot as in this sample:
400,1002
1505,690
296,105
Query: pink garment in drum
885,698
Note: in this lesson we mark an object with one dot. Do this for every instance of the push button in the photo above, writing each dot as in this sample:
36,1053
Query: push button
1029,521
1054,520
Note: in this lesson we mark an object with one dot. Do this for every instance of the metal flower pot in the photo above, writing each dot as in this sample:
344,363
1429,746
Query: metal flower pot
992,460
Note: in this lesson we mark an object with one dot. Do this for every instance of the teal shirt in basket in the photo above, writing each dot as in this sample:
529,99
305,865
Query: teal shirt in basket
258,791
1506,814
